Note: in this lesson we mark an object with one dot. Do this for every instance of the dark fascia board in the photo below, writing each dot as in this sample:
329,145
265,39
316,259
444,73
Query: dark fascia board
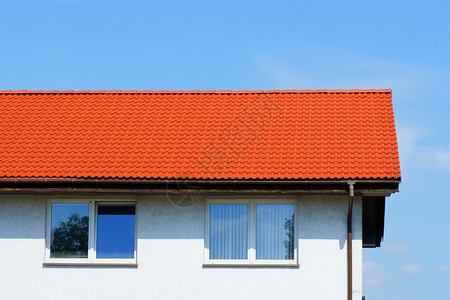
373,221
163,186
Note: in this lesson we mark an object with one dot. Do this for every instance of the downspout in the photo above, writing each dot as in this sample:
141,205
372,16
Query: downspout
350,241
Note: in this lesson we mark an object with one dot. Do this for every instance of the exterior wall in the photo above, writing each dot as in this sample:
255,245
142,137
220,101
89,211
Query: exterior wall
170,254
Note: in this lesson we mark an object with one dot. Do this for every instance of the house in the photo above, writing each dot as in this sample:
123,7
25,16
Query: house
192,194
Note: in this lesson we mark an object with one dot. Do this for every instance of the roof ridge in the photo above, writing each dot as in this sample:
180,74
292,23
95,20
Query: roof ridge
291,91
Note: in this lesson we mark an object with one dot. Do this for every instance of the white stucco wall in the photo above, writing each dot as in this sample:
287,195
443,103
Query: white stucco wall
170,254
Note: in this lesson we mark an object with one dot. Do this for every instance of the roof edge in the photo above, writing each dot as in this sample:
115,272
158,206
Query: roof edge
209,92
383,187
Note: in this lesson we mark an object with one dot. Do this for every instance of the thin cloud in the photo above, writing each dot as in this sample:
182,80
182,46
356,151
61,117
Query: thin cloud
373,274
408,139
415,154
431,157
282,74
394,248
444,269
346,70
410,269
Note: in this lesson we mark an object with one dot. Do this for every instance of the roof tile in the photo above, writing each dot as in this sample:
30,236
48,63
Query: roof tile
287,134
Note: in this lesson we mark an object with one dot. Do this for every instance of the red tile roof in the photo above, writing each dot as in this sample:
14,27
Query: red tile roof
290,134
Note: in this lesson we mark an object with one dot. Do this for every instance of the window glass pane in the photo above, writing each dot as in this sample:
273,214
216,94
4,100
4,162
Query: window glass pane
228,231
69,231
274,231
115,231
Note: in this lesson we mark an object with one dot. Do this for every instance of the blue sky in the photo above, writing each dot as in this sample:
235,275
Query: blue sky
175,45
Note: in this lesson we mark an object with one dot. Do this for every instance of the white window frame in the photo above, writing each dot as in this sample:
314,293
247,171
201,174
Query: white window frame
92,239
251,252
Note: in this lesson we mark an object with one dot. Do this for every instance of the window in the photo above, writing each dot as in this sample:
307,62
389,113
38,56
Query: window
69,231
91,232
252,232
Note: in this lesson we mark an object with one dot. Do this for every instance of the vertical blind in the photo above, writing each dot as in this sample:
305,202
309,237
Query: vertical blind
228,231
275,231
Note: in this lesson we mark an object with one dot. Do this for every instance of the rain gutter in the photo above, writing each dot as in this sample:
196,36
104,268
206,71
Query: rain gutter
162,186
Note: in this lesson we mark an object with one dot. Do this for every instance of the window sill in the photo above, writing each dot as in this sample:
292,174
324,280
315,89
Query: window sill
241,265
89,264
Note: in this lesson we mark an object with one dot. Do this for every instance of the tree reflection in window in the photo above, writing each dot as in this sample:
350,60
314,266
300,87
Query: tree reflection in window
289,242
70,231
275,231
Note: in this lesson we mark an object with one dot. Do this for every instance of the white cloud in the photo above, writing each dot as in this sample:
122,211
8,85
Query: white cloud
410,269
373,274
394,248
444,269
